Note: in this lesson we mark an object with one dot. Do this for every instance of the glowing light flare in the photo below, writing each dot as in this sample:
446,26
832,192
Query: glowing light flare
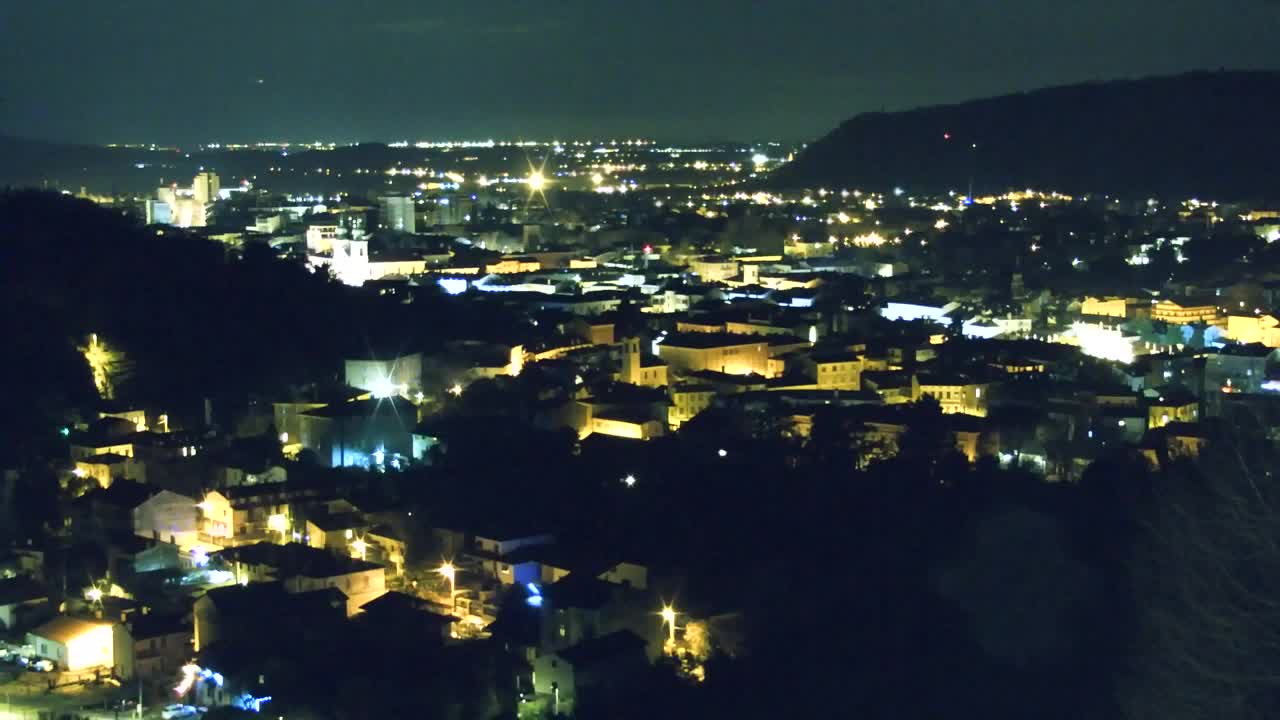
93,594
629,480
536,181
668,614
384,388
189,673
359,548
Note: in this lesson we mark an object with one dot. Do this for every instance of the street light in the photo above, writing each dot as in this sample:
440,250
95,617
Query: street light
93,594
669,617
629,480
360,546
450,573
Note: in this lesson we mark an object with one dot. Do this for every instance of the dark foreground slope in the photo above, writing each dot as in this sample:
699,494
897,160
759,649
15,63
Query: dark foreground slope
1210,134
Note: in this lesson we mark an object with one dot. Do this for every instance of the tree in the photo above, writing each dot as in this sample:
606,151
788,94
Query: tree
1207,581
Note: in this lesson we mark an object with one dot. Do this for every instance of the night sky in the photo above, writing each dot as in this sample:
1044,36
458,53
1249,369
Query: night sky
307,70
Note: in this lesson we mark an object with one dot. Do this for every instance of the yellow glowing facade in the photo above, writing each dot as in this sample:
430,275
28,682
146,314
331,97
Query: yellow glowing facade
1160,413
739,356
508,266
686,403
966,398
1178,314
1116,307
1264,329
74,644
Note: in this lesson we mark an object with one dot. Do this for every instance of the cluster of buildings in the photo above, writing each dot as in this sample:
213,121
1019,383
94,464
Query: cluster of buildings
634,316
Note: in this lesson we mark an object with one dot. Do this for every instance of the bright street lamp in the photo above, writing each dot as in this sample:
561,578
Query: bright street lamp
93,594
537,181
669,617
629,480
450,573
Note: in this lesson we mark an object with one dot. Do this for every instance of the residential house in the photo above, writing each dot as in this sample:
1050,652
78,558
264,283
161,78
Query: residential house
303,569
601,666
162,644
1172,404
109,467
169,517
77,645
956,394
22,601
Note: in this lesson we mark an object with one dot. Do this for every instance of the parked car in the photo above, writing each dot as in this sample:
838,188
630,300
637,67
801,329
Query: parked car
177,710
42,665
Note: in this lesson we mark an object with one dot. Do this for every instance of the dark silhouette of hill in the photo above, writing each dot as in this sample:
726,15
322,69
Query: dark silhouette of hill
1202,133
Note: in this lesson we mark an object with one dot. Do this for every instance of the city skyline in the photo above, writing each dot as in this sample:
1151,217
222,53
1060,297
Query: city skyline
241,73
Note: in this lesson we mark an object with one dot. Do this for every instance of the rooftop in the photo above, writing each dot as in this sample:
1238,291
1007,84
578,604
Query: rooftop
366,408
603,648
296,559
21,589
703,341
65,628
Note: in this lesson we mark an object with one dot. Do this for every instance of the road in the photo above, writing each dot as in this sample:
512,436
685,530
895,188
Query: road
18,701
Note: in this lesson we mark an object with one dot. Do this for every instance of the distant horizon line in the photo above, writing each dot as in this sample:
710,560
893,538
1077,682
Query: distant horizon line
488,142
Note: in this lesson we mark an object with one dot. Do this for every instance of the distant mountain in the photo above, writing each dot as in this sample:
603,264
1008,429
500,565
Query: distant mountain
1212,134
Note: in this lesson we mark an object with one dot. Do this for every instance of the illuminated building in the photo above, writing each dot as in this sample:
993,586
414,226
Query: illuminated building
398,214
285,413
168,517
364,433
894,387
159,212
335,531
720,352
1173,404
714,268
395,376
837,370
20,598
161,645
638,369
320,237
1186,312
1101,341
1114,307
511,265
1259,328
687,401
205,187
303,569
625,411
591,666
74,644
109,467
216,520
955,394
